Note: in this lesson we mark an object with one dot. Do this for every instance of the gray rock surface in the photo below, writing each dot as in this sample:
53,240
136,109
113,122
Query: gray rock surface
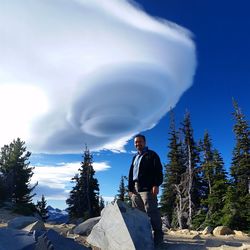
21,222
61,243
13,239
222,230
38,226
123,228
86,227
43,243
207,230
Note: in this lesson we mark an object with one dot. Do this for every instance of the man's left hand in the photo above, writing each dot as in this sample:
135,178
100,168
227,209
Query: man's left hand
155,190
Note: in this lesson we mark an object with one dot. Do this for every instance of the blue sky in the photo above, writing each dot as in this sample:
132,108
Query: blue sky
202,80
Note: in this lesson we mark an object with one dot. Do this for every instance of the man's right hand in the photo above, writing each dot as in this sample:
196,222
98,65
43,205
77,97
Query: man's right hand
130,194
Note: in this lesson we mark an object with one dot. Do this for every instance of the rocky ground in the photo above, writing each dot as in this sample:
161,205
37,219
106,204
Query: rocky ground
173,240
196,241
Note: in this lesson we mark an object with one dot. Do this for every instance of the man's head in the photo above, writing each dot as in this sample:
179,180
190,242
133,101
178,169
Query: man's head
139,142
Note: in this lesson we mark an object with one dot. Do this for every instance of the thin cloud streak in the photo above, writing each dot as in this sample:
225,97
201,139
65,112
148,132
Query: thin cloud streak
95,72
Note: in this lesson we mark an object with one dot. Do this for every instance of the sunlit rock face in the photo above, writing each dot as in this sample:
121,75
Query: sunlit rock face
122,227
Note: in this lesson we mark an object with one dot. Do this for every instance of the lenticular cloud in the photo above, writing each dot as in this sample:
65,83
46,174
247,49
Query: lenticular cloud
104,70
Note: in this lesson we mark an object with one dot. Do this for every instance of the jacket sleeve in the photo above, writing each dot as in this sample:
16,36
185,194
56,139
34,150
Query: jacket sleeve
130,178
158,171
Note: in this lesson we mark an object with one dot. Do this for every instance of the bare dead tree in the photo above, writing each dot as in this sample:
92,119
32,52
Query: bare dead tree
190,185
180,205
184,203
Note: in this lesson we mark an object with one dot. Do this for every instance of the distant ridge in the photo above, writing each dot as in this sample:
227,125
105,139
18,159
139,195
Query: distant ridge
57,216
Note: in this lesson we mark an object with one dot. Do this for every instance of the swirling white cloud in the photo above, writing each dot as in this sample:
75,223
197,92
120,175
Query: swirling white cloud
80,71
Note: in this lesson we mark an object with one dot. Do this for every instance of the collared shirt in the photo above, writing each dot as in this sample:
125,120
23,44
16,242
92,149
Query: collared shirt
137,162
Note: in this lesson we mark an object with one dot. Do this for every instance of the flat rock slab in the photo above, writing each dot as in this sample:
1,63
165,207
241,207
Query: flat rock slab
14,239
61,243
86,227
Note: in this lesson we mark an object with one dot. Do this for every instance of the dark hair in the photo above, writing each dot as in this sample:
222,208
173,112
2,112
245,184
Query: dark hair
141,136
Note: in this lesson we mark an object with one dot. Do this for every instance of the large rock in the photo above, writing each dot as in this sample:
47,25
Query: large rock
61,243
38,226
240,234
21,222
123,228
86,227
207,230
13,239
222,230
43,243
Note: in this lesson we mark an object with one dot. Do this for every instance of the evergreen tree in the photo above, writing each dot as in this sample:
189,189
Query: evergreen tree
207,166
2,187
236,210
16,173
74,201
83,201
122,190
190,183
240,169
42,208
127,199
214,184
217,194
173,171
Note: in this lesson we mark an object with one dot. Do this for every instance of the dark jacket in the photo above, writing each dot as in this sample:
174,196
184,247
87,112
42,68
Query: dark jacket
150,172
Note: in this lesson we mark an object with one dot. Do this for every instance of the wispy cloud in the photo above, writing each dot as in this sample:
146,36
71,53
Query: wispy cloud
92,72
101,166
55,181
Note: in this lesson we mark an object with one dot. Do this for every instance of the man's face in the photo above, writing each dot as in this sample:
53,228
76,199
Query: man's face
139,143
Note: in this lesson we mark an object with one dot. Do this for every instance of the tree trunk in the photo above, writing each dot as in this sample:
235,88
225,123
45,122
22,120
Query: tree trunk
190,184
88,198
179,206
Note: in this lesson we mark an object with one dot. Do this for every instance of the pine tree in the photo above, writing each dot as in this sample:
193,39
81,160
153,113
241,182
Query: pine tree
236,210
214,184
207,164
42,208
16,173
190,181
83,201
240,169
173,171
2,189
127,199
218,191
74,200
122,190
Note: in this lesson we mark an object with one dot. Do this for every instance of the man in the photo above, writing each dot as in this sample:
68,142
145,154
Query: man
145,177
